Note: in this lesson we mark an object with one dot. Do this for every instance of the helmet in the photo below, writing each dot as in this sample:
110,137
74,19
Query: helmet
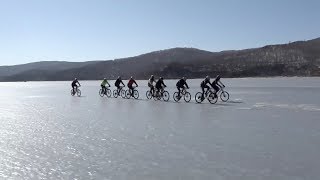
75,79
161,78
218,77
208,77
184,78
131,77
119,77
104,78
151,76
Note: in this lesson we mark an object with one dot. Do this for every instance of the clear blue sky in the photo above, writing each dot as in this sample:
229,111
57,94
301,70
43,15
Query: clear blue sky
82,30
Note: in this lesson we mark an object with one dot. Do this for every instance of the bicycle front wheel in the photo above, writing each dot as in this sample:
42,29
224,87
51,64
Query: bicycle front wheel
78,93
108,93
166,96
224,96
123,93
187,97
136,94
128,94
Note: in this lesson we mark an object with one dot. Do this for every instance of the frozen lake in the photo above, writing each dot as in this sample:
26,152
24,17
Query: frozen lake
269,129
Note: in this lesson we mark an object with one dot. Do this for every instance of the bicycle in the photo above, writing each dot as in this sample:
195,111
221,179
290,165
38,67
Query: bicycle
184,93
119,92
135,93
149,94
77,91
107,92
210,95
162,94
224,95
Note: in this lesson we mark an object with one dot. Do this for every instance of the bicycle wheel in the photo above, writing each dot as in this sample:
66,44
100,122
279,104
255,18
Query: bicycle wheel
72,92
123,93
148,94
198,97
175,97
136,94
187,97
157,96
115,93
212,98
224,96
127,93
108,93
165,96
101,92
78,93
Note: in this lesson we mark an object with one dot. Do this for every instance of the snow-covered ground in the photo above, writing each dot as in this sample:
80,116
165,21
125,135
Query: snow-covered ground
269,129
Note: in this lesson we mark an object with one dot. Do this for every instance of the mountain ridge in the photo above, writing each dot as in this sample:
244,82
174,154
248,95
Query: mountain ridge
300,58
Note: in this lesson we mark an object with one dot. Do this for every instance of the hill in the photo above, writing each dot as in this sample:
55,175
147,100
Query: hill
301,58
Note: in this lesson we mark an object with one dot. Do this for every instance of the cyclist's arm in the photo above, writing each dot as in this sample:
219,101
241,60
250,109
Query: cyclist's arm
164,84
221,84
186,85
122,83
108,84
135,83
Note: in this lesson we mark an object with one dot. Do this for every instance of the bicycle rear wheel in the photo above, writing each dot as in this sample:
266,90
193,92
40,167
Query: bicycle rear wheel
72,92
224,96
198,97
176,98
148,94
212,98
115,93
187,97
101,92
165,96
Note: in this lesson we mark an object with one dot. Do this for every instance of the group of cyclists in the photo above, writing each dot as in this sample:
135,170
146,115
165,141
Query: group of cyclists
158,85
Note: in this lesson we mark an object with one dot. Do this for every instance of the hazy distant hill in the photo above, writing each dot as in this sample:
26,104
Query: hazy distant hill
300,58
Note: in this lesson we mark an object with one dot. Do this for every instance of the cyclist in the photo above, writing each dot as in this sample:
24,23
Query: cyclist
180,85
103,85
130,83
217,84
204,85
74,85
117,84
151,84
160,84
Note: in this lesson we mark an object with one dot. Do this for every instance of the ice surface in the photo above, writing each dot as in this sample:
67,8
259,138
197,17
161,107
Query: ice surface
269,129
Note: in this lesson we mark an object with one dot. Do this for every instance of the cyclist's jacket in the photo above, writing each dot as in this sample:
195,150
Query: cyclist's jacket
131,81
117,83
159,84
215,82
205,82
150,82
181,83
74,83
104,82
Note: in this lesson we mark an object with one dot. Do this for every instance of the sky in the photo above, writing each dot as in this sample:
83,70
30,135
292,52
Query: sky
84,30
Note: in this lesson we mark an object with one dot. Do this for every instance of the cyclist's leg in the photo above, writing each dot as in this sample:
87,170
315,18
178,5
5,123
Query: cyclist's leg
131,90
118,89
216,89
178,91
202,88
